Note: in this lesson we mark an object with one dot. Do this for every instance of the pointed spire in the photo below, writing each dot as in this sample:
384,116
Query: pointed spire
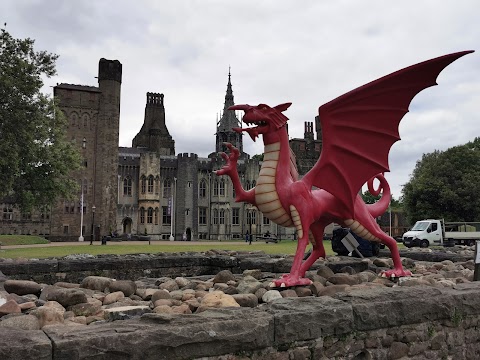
229,95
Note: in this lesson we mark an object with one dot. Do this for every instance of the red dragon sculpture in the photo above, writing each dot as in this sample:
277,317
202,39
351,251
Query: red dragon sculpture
358,130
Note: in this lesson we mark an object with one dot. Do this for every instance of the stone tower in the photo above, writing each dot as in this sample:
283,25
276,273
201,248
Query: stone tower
228,121
107,137
154,134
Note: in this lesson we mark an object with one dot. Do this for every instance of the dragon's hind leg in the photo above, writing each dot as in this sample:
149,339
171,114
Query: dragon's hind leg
318,251
367,228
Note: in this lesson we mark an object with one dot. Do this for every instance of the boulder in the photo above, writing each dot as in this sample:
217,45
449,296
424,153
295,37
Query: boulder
10,307
223,277
246,300
217,299
22,287
248,285
24,322
127,287
67,297
99,283
113,297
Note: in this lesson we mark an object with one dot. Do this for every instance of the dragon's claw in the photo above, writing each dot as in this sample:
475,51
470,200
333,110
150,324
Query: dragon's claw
288,280
396,273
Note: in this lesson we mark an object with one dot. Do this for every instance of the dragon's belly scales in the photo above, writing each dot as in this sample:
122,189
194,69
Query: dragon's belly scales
266,195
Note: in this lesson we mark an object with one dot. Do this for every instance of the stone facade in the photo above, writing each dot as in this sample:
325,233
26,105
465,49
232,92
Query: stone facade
146,189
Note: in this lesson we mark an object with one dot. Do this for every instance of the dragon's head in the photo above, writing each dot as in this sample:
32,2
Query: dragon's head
264,118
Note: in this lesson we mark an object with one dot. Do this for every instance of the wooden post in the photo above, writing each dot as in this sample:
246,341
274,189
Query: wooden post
476,273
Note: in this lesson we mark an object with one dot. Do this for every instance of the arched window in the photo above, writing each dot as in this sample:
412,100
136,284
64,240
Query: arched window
253,184
150,215
143,183
215,188
167,188
127,186
222,187
202,191
247,185
142,215
150,184
222,217
215,216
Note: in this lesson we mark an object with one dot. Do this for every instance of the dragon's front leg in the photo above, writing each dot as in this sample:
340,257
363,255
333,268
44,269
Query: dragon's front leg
295,277
230,169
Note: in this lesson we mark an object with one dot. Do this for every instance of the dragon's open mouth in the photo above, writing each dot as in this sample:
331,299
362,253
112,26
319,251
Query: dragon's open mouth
255,130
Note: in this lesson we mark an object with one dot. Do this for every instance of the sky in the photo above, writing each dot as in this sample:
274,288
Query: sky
305,52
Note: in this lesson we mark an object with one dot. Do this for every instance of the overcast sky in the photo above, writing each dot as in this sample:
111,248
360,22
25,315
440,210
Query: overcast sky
306,52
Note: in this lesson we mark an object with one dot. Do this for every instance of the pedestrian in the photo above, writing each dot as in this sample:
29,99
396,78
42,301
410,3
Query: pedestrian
247,236
250,237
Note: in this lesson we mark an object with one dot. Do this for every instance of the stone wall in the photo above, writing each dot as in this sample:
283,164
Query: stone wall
393,323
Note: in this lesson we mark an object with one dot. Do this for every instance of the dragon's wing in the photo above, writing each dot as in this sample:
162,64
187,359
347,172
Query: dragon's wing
360,127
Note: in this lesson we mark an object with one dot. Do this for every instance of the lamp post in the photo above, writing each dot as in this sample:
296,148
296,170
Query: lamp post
93,224
172,219
80,238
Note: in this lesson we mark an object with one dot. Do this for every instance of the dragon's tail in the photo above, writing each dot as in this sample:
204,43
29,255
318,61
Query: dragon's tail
381,205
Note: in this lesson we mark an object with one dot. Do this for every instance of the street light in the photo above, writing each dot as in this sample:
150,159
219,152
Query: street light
80,238
93,224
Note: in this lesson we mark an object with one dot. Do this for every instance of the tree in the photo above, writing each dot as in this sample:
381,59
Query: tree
35,157
445,184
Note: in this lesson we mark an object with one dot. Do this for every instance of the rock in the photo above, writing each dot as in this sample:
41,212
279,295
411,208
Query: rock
24,322
184,283
170,285
127,287
256,273
366,276
48,316
315,287
67,297
99,283
193,304
383,263
260,292
22,287
177,294
10,307
163,309
343,279
348,270
332,290
181,309
146,294
246,300
85,309
248,285
324,271
66,285
113,297
125,312
303,291
223,277
160,294
217,299
188,294
288,293
164,302
271,295
231,290
27,305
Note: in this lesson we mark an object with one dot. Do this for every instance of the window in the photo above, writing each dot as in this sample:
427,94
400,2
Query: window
202,216
235,216
7,213
202,192
166,218
251,215
215,188
167,188
150,184
247,185
150,215
84,143
143,184
266,221
222,217
127,186
142,215
215,217
254,184
222,187
65,229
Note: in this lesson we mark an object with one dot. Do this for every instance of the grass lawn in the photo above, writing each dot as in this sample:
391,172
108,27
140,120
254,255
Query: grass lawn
283,247
22,240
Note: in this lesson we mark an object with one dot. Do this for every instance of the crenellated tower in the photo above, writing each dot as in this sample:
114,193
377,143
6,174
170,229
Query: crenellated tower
154,134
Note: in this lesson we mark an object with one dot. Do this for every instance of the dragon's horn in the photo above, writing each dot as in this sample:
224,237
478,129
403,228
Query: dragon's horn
282,107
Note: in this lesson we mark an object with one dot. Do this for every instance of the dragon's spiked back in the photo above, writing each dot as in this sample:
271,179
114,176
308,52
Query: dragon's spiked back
360,127
265,118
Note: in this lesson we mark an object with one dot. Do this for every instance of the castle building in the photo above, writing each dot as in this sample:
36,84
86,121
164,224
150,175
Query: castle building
146,189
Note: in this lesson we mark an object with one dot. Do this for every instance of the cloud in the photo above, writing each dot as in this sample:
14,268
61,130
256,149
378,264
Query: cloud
307,52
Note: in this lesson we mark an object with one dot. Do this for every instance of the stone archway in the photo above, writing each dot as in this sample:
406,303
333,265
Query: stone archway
127,225
189,234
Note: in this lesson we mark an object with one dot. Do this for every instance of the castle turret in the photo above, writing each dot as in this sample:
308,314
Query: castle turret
154,134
